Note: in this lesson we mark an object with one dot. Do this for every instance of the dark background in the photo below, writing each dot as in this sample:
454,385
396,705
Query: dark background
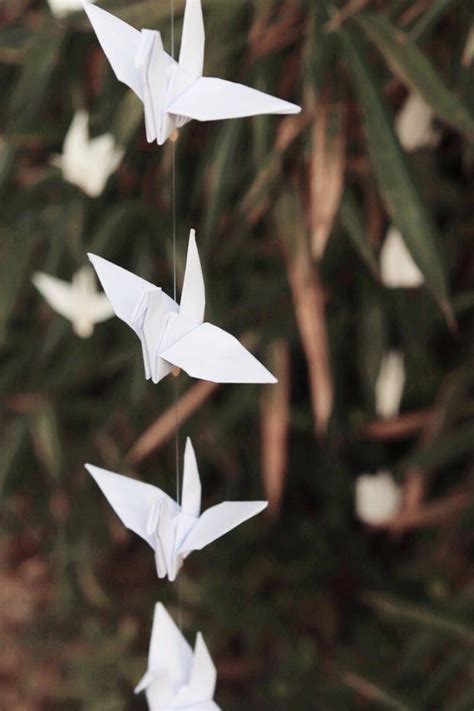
306,607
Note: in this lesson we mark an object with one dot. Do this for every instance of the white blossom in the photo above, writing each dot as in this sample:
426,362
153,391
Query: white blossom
468,54
414,124
61,8
378,498
397,268
80,301
85,162
390,384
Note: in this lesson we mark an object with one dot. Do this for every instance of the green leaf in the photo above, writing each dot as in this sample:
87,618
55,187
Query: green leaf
46,440
395,178
30,92
412,67
375,692
443,450
351,220
16,248
429,18
402,611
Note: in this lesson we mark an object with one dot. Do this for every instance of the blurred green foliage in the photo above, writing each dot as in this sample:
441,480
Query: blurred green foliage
312,610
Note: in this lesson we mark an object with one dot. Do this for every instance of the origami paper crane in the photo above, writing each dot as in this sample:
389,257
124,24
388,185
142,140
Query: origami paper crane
173,531
390,384
88,162
79,302
173,92
397,267
177,677
175,336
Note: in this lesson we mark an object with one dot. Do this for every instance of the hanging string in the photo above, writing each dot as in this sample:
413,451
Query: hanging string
173,201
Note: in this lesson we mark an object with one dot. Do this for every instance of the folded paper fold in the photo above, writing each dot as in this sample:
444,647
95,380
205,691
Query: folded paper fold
172,530
175,336
177,677
174,92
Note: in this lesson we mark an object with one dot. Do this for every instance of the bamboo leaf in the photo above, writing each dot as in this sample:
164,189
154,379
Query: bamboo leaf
412,67
34,81
396,181
46,440
374,691
402,611
351,220
443,450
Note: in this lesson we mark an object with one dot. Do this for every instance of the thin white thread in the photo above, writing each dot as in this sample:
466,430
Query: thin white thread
173,200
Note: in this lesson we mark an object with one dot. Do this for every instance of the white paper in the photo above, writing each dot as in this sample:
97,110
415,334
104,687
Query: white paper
175,336
173,531
177,677
173,92
80,301
85,162
397,268
390,385
378,498
414,124
61,8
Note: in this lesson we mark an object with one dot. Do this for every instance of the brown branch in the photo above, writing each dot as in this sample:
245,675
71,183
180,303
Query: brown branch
275,420
166,425
351,8
400,427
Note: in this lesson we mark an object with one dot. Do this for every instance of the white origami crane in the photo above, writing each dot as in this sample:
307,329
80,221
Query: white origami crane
173,92
390,384
414,124
175,336
88,162
397,268
79,302
173,531
177,677
378,498
61,8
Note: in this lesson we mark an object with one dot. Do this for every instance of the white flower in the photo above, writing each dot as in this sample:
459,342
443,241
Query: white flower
468,54
61,8
80,302
377,498
390,384
414,124
88,163
397,268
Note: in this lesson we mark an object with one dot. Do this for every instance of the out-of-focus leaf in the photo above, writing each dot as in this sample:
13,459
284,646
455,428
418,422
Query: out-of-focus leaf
375,692
12,441
429,18
410,64
396,181
275,417
128,118
309,304
328,159
443,450
220,176
371,341
403,611
30,92
15,253
46,440
353,224
7,159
